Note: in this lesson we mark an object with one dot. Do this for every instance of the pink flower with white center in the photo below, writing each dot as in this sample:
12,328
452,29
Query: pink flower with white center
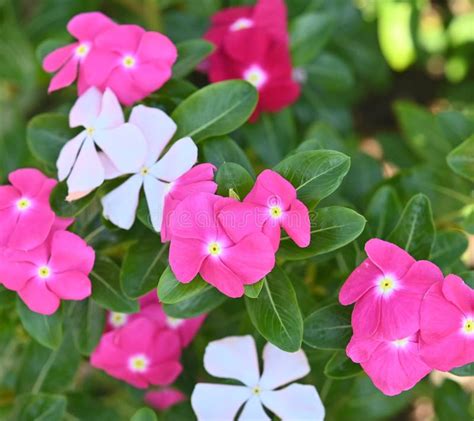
68,61
199,179
131,61
236,358
393,365
26,217
388,288
122,145
276,206
447,324
156,172
165,398
140,353
226,259
58,269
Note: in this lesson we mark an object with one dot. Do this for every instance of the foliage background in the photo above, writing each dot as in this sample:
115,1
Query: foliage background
389,83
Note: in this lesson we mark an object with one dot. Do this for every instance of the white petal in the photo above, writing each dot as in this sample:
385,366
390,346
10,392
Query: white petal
157,128
234,357
86,109
111,114
295,402
87,173
218,402
125,146
68,155
179,159
253,410
155,192
110,169
280,367
120,205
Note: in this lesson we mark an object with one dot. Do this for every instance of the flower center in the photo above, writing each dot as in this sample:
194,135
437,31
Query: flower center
242,23
145,171
173,322
256,76
118,319
468,326
44,272
23,204
256,390
128,62
386,285
90,131
275,212
400,343
138,363
82,50
214,249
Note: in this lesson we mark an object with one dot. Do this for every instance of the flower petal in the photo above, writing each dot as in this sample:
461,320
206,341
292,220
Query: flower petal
253,410
234,357
14,275
68,155
186,257
366,315
156,47
56,59
86,109
111,114
65,76
31,183
164,374
73,285
361,280
38,297
32,228
69,252
155,192
296,223
164,398
459,294
216,273
87,25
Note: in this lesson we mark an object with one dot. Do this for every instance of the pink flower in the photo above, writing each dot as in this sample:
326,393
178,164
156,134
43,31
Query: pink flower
275,202
139,353
130,61
58,269
388,288
393,365
199,179
68,60
26,217
164,398
226,259
447,324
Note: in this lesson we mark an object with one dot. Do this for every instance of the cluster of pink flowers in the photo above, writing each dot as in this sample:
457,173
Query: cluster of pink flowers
39,259
267,64
126,58
144,349
408,319
228,242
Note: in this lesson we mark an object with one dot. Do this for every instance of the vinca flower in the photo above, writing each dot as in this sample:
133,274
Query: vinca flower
236,358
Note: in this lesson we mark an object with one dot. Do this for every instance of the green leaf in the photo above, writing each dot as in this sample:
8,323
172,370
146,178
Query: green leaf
415,230
314,174
464,371
331,229
67,209
39,407
171,291
451,402
106,288
47,47
328,327
7,297
309,33
215,110
341,367
204,302
383,211
142,266
190,54
276,314
448,247
254,290
88,321
461,159
47,134
47,330
235,177
330,73
219,150
144,414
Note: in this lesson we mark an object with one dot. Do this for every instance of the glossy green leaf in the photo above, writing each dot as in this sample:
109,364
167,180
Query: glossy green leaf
415,230
190,54
39,407
171,291
144,414
464,371
88,321
331,229
235,177
276,314
341,367
461,159
204,302
66,209
448,247
215,110
383,211
314,174
451,402
254,290
328,327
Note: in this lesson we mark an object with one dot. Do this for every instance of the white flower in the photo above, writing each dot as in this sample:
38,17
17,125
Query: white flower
156,176
122,145
236,357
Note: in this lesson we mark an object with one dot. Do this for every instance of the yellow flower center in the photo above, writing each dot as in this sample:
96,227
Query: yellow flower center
145,171
118,319
242,23
44,272
214,249
128,62
400,343
275,212
90,131
469,326
23,204
82,50
255,75
138,363
256,390
386,285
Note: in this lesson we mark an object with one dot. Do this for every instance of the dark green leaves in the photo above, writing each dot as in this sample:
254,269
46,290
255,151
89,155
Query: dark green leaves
171,291
331,228
233,176
208,299
67,209
39,407
88,320
219,150
315,174
383,211
190,54
328,327
415,231
143,265
341,367
275,313
215,110
144,414
461,159
451,402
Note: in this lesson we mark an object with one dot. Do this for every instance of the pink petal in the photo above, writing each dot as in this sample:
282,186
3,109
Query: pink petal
8,197
121,38
216,273
361,280
458,293
186,258
136,336
156,47
366,316
296,223
229,15
85,26
98,66
122,83
165,347
272,230
164,398
420,277
235,45
14,275
448,352
65,77
38,297
164,374
57,58
30,182
69,252
71,285
241,219
361,348
32,228
149,77
189,328
391,259
9,218
272,15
